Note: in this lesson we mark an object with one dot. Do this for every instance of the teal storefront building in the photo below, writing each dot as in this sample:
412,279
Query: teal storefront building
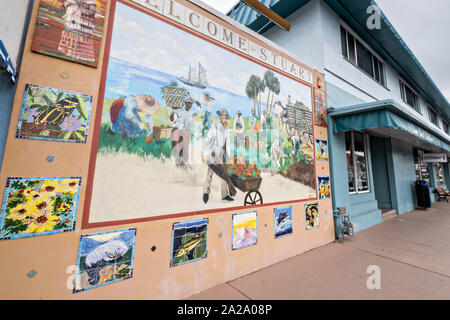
384,110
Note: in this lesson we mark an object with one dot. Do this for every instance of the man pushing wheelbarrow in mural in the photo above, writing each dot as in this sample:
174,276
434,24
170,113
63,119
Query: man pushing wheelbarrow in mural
216,149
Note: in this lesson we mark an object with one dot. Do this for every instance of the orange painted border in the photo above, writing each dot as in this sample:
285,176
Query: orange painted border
98,116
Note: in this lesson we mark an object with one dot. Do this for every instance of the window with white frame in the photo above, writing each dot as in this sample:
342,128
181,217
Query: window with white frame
433,116
409,96
360,55
355,149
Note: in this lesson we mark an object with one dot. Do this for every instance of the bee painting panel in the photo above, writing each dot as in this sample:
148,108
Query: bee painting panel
312,215
39,206
54,114
189,241
282,221
244,230
70,29
104,258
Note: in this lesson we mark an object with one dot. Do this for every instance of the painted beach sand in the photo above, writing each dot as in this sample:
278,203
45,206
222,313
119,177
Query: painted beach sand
189,241
158,146
54,114
282,221
39,206
244,230
104,258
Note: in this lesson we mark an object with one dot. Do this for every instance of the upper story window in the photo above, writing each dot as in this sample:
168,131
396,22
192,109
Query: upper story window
357,53
409,96
445,126
433,116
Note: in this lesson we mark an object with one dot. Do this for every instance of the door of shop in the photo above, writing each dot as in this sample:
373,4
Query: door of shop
378,148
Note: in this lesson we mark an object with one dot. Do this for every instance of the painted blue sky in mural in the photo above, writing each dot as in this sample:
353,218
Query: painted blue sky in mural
147,53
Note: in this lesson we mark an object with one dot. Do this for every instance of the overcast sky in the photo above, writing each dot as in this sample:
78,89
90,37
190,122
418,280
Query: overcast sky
423,25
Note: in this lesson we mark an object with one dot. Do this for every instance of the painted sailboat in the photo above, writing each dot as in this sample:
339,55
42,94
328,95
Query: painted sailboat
196,77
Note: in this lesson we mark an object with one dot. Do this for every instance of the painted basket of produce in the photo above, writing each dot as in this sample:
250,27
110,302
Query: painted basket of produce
162,132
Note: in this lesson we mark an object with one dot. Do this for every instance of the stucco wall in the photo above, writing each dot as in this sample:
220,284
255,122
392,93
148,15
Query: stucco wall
53,256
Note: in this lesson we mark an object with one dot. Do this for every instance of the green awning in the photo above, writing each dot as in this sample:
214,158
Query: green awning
383,114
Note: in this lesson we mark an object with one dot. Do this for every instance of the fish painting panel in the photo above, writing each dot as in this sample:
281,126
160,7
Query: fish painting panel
189,241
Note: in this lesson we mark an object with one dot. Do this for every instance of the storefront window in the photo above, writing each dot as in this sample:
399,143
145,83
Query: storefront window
358,180
420,168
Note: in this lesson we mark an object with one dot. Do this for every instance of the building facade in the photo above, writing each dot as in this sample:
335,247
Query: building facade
384,111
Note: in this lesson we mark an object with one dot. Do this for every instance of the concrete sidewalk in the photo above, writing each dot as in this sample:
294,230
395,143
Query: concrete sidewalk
412,251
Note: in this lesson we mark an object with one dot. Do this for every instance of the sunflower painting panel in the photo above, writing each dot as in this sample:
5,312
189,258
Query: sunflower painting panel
104,258
312,215
54,114
39,206
189,241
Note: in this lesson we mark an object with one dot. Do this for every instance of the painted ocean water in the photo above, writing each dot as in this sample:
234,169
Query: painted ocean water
125,78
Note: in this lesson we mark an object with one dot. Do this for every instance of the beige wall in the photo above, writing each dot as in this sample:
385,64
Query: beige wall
53,256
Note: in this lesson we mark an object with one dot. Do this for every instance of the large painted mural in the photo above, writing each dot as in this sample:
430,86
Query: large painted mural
188,126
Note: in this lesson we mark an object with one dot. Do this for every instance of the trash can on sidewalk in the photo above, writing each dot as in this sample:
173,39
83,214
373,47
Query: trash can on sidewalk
423,194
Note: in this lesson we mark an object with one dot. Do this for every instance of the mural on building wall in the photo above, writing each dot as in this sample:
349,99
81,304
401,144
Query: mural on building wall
324,187
244,233
39,206
320,106
185,133
189,241
282,221
321,150
54,114
312,215
104,258
70,29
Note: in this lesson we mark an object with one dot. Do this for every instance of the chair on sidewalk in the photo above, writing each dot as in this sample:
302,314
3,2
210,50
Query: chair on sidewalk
442,194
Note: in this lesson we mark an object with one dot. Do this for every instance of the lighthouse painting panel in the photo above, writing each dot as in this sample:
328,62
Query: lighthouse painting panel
189,241
104,258
70,29
54,114
183,133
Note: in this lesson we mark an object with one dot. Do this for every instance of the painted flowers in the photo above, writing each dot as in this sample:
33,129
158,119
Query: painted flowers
37,206
54,114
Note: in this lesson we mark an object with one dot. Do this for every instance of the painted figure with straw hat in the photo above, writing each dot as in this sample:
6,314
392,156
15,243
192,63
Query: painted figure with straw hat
132,115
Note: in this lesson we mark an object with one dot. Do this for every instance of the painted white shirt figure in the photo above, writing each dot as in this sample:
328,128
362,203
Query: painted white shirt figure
216,140
239,124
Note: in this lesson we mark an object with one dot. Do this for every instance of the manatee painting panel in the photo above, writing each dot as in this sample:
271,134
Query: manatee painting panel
54,114
244,233
39,206
189,241
70,29
282,221
104,258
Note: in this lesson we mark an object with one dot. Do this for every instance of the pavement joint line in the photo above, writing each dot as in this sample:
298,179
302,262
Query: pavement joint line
389,258
229,283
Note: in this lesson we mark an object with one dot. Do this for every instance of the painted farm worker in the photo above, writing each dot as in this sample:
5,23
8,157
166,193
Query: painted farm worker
216,149
296,144
208,113
182,120
239,131
126,118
